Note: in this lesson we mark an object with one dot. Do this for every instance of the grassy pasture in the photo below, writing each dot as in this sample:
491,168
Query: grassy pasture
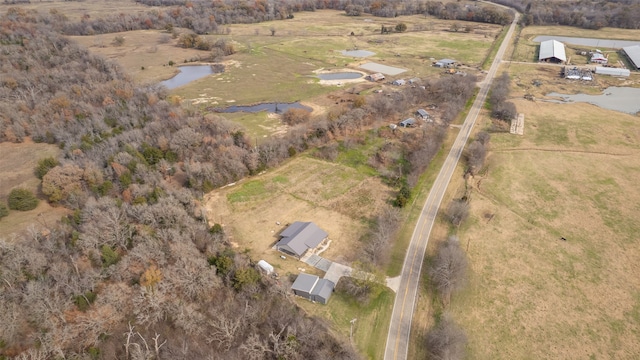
571,175
17,171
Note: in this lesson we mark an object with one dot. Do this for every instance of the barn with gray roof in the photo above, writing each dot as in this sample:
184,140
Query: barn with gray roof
552,51
633,54
299,237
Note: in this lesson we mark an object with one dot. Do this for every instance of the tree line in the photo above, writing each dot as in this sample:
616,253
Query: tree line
589,14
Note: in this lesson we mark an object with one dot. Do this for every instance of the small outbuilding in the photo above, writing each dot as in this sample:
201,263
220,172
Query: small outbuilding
399,82
266,267
407,122
601,70
552,51
313,288
423,114
375,77
444,63
299,237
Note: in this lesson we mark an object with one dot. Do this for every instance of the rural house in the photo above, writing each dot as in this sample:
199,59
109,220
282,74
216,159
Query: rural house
313,288
407,122
598,58
552,51
399,82
423,114
299,237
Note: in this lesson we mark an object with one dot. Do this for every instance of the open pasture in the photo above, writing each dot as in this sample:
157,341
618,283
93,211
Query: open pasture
572,175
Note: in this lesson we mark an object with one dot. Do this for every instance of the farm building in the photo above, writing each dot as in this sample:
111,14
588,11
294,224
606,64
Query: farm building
407,122
399,82
423,114
552,51
414,80
266,267
633,53
299,237
313,288
601,70
375,77
444,63
598,58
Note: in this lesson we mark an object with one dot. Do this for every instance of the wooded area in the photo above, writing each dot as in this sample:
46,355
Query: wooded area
135,272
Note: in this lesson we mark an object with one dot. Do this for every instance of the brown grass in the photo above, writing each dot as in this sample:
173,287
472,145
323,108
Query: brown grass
74,10
532,295
17,171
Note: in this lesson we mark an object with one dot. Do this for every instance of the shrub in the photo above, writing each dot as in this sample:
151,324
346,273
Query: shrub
109,256
22,200
44,165
3,210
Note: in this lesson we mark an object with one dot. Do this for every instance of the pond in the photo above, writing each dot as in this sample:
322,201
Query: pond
623,99
188,74
277,108
340,76
358,53
595,43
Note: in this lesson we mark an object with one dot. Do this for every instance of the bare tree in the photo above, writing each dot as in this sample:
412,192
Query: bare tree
446,341
449,269
476,153
457,212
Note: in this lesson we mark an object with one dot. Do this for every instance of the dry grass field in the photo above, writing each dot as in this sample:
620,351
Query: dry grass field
17,171
74,10
532,295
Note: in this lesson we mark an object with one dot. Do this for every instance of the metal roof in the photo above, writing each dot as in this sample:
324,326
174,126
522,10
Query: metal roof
447,61
423,112
552,49
305,283
633,52
322,290
301,236
612,71
265,266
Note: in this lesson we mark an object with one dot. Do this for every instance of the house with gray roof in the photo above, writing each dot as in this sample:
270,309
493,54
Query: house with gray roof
299,237
407,122
313,288
552,51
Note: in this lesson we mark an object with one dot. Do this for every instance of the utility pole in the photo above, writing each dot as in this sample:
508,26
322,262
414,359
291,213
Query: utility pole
351,331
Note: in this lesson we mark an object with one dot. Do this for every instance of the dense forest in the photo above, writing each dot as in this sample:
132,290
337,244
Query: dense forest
135,272
588,14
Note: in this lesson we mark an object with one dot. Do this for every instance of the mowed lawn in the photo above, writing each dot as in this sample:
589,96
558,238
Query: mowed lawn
531,295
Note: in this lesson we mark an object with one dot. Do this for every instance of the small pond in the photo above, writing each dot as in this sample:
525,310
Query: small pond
277,108
340,76
623,99
358,53
188,74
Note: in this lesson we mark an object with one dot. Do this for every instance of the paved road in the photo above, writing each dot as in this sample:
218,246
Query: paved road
400,327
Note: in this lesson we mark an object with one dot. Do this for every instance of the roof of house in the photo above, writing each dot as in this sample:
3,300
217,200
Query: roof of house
552,49
597,56
301,236
633,52
422,112
305,283
323,288
399,82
